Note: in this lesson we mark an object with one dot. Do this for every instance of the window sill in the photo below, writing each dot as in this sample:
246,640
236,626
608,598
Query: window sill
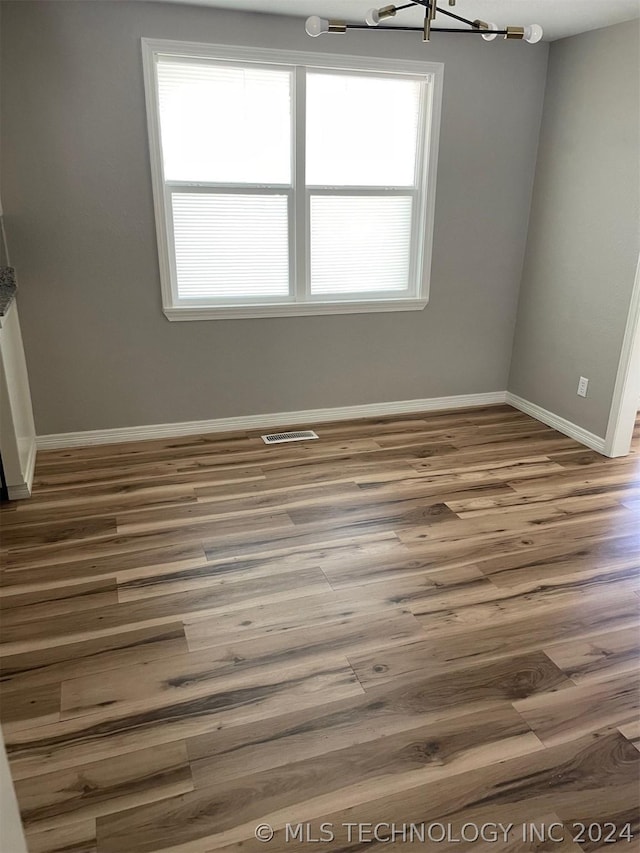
299,309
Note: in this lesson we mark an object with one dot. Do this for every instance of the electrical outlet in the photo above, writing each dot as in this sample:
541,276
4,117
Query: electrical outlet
583,385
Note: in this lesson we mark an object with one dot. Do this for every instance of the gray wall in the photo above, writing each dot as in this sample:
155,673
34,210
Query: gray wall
583,241
77,195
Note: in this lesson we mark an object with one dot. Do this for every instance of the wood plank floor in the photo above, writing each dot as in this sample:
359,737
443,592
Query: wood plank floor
420,620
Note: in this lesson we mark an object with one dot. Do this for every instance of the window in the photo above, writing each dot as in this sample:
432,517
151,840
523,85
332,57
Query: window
290,183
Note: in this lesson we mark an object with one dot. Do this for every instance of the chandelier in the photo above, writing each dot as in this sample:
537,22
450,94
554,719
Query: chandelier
532,33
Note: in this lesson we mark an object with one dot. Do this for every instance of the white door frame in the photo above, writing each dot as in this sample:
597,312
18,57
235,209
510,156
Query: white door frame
626,393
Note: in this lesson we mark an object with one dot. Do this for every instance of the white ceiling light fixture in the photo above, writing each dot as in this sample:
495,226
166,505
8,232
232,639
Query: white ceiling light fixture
532,33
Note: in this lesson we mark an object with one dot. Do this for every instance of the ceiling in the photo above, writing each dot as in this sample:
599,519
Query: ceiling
559,18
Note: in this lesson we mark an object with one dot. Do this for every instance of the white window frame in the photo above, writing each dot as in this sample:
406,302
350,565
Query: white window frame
299,195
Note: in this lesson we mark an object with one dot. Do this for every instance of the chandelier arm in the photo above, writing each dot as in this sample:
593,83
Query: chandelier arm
395,29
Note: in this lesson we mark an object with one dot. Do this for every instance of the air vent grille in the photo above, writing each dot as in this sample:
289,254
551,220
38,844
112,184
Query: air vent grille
282,437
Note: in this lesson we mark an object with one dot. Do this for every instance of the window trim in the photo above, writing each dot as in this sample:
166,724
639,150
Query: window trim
299,201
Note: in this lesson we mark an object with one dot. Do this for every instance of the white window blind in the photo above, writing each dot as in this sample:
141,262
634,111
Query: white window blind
360,244
362,130
231,246
284,188
224,124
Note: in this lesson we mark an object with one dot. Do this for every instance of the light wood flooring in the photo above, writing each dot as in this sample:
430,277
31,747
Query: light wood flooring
429,619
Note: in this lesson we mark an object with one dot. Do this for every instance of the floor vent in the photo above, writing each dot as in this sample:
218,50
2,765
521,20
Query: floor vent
282,437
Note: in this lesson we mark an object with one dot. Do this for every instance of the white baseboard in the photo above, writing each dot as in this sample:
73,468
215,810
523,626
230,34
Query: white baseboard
307,416
23,490
560,424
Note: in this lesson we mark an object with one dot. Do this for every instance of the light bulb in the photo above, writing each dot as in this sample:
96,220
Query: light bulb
315,26
491,36
373,17
533,33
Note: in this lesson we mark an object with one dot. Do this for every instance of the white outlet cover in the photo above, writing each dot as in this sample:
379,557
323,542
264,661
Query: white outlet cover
583,385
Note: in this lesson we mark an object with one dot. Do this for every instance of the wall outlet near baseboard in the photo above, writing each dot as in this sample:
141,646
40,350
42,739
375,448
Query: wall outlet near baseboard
583,386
